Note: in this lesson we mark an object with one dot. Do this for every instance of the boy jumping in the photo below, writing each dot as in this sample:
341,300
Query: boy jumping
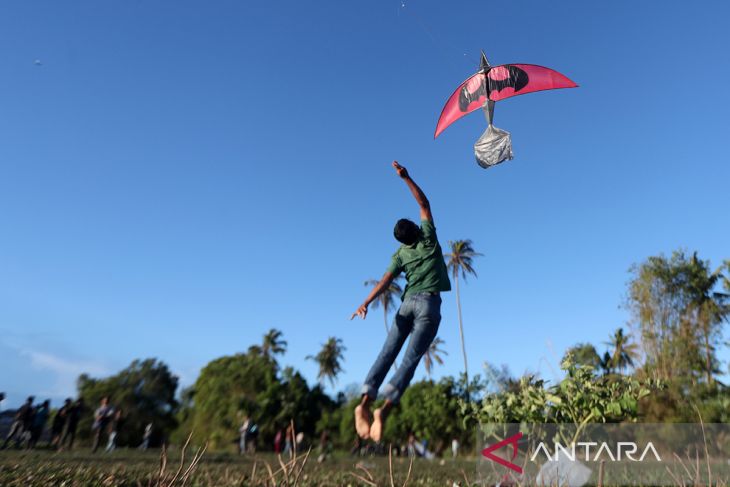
421,258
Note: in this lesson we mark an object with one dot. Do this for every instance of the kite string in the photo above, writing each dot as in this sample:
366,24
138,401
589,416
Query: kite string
429,32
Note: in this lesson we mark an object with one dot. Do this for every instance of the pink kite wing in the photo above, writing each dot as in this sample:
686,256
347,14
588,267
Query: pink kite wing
517,79
498,83
469,96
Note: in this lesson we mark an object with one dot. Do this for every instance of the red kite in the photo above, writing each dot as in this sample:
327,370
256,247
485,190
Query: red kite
489,85
494,83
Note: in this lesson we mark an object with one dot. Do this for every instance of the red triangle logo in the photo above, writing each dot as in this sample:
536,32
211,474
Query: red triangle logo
512,440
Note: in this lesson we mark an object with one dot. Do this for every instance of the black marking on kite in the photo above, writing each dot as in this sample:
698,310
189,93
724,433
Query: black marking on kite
467,97
517,80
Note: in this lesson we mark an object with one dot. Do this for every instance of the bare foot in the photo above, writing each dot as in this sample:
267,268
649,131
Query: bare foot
362,421
376,430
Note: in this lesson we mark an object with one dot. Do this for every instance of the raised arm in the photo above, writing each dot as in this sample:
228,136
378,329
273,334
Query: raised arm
416,191
362,311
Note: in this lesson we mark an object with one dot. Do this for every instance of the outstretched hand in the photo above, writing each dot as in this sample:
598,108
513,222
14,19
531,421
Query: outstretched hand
402,171
362,312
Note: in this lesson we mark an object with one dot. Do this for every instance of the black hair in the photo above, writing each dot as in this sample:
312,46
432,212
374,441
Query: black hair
406,232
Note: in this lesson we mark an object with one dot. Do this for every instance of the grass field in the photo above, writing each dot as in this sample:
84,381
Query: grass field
133,468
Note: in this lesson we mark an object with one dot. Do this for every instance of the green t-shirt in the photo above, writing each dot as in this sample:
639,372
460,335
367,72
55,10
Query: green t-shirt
423,263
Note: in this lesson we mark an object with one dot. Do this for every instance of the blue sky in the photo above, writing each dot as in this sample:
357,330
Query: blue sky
178,177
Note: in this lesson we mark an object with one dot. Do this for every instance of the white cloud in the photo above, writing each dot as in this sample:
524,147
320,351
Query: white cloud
65,370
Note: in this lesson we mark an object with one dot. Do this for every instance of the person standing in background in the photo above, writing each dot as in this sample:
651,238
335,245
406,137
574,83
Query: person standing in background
21,423
39,422
102,417
59,420
253,434
114,425
277,440
72,421
325,446
243,435
289,441
146,437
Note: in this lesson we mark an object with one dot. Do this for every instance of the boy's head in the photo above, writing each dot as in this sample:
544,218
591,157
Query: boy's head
406,232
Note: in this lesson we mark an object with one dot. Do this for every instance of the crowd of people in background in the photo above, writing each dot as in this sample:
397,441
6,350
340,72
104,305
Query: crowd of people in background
29,423
413,447
287,440
30,420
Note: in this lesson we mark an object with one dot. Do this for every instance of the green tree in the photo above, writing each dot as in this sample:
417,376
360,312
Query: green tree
273,343
679,313
226,389
709,309
433,354
144,392
250,384
387,298
429,410
184,413
497,379
295,401
332,419
584,354
460,261
329,359
580,398
347,435
623,353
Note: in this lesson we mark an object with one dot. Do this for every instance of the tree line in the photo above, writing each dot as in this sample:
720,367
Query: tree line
666,354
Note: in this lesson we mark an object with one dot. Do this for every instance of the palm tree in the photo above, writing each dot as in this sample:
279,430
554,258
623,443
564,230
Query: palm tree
387,298
255,350
273,344
606,363
709,309
624,353
460,261
433,355
329,360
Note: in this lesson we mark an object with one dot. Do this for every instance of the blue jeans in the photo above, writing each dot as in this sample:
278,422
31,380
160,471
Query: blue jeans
419,316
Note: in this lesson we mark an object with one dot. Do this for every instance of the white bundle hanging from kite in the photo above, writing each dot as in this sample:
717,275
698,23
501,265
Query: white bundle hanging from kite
495,145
